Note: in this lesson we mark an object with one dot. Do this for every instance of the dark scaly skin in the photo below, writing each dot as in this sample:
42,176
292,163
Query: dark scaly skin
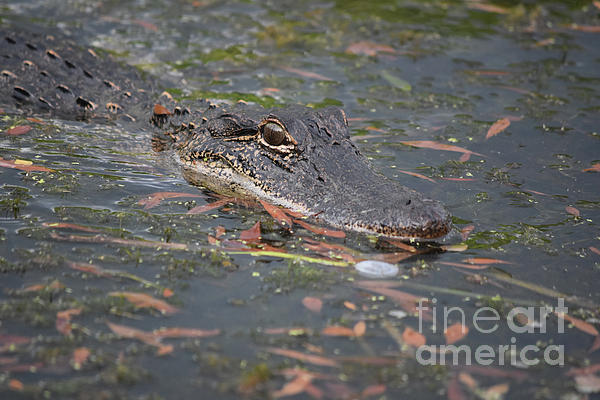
316,170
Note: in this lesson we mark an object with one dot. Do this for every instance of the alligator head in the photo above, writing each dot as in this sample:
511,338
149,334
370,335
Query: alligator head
301,159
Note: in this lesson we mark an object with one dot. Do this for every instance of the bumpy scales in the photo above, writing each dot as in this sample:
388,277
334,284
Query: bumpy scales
295,157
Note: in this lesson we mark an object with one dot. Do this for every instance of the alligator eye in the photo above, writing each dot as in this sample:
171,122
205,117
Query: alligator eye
273,133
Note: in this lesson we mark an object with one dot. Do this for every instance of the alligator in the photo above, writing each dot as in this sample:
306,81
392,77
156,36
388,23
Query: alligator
295,157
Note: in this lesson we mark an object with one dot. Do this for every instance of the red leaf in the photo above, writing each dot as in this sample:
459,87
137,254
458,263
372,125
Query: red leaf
252,234
320,231
80,355
65,225
579,324
336,330
373,390
417,175
147,25
277,214
16,385
359,329
585,28
455,332
23,165
467,266
185,333
401,245
594,250
497,127
309,358
481,260
63,320
219,231
132,333
368,48
161,110
573,211
210,206
143,300
306,74
429,144
413,338
594,168
154,199
313,304
466,231
18,130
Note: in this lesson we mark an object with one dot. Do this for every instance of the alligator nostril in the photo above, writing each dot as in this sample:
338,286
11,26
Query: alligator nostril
408,202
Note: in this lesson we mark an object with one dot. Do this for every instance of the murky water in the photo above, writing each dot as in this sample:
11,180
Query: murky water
78,241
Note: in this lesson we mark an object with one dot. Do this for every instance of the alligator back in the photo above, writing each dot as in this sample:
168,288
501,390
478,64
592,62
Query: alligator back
49,75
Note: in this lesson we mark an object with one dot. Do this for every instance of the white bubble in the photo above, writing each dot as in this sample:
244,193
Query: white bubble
376,269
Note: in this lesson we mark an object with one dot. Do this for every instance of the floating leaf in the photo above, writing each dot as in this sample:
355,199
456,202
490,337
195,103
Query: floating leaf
66,225
277,214
401,245
306,74
320,231
573,211
455,332
413,338
487,7
313,304
360,328
497,127
80,356
467,266
416,175
16,385
185,333
143,300
430,144
132,333
481,260
154,199
585,28
309,358
18,130
466,231
350,306
373,390
396,82
336,330
579,324
219,231
23,165
594,168
594,250
145,24
63,320
208,207
296,386
252,234
367,48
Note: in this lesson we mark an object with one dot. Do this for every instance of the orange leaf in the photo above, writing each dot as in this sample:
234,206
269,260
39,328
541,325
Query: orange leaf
461,265
416,175
63,320
313,304
594,168
401,245
360,328
208,207
579,324
309,358
18,130
298,385
336,330
573,211
306,74
219,231
277,214
320,231
480,260
80,355
413,338
368,48
252,234
487,7
184,332
147,25
143,300
154,199
350,306
132,333
585,28
166,293
497,127
429,144
164,349
455,332
595,345
23,167
373,390
594,250
15,384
